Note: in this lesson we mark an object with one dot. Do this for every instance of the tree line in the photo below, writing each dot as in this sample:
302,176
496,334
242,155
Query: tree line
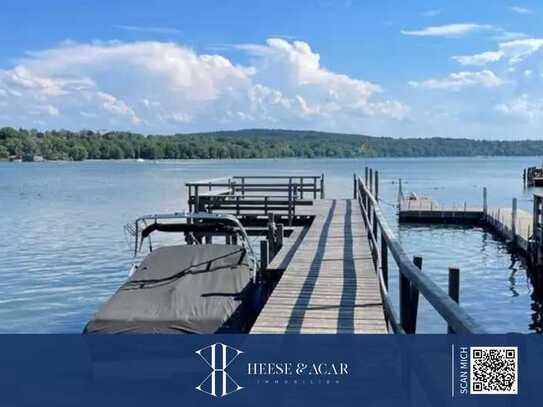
257,143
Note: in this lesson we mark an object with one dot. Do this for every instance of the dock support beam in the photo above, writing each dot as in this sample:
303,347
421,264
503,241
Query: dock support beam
454,289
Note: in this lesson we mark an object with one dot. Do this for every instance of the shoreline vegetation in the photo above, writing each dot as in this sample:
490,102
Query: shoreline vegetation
23,144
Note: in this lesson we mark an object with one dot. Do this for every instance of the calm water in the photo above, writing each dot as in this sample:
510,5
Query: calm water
63,250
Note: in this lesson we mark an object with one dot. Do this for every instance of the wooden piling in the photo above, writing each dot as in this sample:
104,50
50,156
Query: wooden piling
454,289
376,194
414,294
485,202
514,221
264,254
354,186
280,235
384,260
322,185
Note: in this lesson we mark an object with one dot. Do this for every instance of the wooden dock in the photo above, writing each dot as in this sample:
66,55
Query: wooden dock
330,284
511,224
329,274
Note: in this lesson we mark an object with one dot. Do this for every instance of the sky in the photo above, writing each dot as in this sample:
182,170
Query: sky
407,68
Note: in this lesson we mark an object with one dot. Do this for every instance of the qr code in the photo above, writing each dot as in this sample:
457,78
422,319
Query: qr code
494,370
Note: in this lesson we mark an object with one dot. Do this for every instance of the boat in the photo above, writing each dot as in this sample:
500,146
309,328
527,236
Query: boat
200,287
140,160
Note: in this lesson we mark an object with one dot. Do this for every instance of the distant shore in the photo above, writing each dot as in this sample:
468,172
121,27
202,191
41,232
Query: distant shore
64,145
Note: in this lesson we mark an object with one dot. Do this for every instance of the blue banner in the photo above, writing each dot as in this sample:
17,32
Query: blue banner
270,370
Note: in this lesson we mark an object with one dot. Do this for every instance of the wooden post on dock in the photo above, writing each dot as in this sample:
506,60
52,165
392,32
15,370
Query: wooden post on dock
322,185
514,222
354,186
370,186
414,293
280,235
264,255
405,299
384,260
376,194
271,234
400,194
454,289
366,176
409,301
485,202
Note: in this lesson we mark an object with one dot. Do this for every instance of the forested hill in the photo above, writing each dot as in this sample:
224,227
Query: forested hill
258,143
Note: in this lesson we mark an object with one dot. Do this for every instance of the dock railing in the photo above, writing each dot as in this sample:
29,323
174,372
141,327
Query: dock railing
255,194
412,281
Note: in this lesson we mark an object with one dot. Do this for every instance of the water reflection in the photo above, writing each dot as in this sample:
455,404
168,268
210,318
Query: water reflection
496,286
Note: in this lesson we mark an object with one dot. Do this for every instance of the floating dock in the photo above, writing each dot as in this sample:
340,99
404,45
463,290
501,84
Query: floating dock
514,225
328,258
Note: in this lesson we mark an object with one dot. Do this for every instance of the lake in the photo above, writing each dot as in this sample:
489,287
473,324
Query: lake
63,250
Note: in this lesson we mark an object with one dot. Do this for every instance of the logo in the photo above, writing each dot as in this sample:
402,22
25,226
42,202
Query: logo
218,357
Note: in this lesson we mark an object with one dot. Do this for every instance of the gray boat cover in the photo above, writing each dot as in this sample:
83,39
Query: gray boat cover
178,289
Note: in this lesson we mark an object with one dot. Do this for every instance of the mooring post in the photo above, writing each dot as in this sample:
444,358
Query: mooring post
514,221
377,185
405,299
400,194
371,181
485,202
524,177
354,186
366,176
414,293
280,235
454,289
384,259
264,254
271,234
290,202
322,185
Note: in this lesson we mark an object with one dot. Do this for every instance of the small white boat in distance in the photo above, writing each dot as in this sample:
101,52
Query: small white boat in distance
140,160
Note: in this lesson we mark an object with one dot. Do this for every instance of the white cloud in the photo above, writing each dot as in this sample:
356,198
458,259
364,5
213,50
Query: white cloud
163,87
514,51
450,30
479,59
520,10
522,108
518,50
460,80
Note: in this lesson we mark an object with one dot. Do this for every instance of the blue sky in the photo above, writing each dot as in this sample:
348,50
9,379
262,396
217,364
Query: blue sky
412,68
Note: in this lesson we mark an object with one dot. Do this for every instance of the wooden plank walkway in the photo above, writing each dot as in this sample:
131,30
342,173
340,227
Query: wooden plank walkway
329,284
